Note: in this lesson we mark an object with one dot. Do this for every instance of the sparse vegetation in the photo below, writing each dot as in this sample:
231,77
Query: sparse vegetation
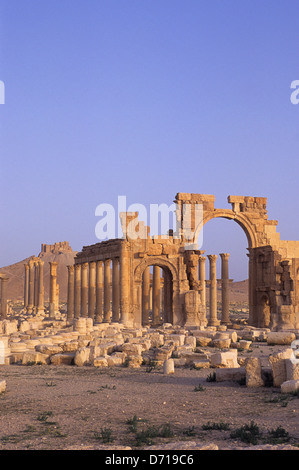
249,433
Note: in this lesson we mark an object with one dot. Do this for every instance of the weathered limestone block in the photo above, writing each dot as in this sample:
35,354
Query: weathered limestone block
70,346
168,367
280,337
24,326
9,326
292,369
233,374
116,359
157,340
16,347
162,354
35,357
82,357
48,349
178,340
221,343
190,341
253,370
290,386
278,365
100,361
134,361
66,358
131,349
244,344
203,341
2,386
225,359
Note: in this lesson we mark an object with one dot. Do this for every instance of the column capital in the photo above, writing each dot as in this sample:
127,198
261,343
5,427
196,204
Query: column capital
212,258
84,265
224,256
71,268
77,267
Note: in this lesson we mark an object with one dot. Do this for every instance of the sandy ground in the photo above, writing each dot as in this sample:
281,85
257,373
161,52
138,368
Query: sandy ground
67,407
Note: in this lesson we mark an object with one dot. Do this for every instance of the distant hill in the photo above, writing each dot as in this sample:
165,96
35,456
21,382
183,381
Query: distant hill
60,252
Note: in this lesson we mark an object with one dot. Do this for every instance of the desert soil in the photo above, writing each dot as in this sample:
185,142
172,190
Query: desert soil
71,408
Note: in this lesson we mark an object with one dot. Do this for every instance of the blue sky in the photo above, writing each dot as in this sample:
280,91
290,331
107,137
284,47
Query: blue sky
145,98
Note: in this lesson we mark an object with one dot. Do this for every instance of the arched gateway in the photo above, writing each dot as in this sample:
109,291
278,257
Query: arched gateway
119,270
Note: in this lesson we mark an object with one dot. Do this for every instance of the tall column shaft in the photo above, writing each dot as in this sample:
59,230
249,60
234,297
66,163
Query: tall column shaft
99,292
31,287
107,290
36,276
115,290
77,294
224,288
124,285
84,290
156,294
26,287
213,321
3,282
202,278
92,290
70,293
53,288
40,295
145,296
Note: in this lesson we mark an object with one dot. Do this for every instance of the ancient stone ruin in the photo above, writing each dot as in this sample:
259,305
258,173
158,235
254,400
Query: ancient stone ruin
111,280
144,299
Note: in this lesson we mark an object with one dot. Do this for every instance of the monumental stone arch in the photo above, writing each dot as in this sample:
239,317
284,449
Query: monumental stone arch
119,280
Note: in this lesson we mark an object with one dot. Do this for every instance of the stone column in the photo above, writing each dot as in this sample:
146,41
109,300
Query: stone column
92,290
31,287
36,276
202,278
70,293
41,290
124,285
213,321
3,297
115,290
145,296
224,288
107,290
53,288
99,292
26,287
77,293
84,290
156,294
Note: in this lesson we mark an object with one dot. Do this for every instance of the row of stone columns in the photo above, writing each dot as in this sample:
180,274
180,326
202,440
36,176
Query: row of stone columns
152,296
213,320
3,296
94,290
34,292
34,286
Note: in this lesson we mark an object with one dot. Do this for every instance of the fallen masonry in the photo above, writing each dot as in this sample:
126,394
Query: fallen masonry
33,341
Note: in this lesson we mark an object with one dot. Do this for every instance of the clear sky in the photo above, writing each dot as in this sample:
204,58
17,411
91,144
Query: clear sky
145,98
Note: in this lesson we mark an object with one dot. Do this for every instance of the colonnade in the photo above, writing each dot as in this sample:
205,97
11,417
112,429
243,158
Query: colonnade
34,286
94,290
